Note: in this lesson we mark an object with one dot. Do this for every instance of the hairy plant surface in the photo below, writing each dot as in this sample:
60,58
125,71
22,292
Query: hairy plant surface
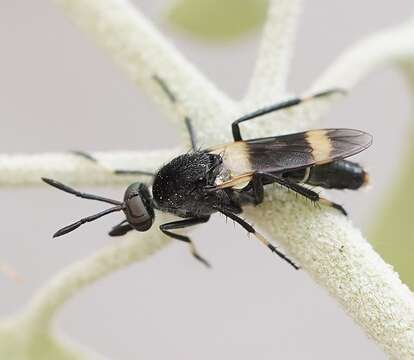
325,243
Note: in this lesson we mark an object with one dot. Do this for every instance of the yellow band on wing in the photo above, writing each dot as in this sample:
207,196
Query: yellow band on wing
321,145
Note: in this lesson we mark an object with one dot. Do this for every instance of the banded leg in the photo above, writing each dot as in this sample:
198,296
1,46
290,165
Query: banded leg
165,228
278,106
89,157
121,229
259,236
180,110
307,193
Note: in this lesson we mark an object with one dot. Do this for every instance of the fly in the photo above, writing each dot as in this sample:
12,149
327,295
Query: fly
225,178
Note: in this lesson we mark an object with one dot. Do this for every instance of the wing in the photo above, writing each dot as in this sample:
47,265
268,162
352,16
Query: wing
289,152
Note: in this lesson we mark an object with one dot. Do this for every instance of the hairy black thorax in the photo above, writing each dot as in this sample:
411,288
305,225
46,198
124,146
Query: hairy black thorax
180,187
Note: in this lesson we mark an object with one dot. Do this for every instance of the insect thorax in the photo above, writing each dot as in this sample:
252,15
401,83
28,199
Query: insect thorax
180,186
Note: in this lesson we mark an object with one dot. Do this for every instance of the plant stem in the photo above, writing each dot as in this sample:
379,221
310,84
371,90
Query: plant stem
54,294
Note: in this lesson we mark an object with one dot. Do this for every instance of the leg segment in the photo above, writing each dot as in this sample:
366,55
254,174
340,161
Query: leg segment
190,132
250,229
133,172
180,110
165,228
307,193
121,229
278,106
257,187
89,157
254,193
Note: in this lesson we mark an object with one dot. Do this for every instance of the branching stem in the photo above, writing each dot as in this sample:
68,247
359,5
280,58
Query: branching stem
323,242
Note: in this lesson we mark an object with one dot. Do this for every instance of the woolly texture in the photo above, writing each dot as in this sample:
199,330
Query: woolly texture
322,241
273,62
119,28
19,170
133,247
336,255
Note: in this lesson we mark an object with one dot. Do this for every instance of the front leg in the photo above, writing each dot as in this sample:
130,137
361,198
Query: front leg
180,224
121,229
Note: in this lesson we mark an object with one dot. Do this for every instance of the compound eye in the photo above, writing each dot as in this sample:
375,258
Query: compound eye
137,214
138,209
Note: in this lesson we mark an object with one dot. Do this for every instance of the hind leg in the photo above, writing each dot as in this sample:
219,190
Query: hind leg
307,193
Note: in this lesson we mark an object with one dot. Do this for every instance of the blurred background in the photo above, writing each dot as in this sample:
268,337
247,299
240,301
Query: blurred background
58,91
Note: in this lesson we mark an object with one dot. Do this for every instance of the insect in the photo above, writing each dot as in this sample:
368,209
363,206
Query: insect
225,178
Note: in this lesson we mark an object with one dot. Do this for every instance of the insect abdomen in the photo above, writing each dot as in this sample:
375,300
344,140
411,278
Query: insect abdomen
340,174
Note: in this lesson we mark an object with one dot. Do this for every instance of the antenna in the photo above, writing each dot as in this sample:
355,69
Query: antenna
119,206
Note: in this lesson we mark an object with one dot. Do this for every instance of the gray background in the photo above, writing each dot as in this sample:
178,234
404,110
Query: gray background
58,92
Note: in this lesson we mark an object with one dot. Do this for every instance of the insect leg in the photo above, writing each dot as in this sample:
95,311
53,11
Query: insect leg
77,193
307,193
191,133
89,157
133,172
121,229
180,110
259,236
82,221
253,193
83,154
278,106
183,224
257,187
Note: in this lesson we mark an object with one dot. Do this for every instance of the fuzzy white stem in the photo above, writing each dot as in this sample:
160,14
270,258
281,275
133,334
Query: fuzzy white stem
391,46
269,80
142,52
131,248
387,47
336,255
19,170
323,241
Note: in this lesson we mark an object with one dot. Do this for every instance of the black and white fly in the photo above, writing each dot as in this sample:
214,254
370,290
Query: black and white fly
224,178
